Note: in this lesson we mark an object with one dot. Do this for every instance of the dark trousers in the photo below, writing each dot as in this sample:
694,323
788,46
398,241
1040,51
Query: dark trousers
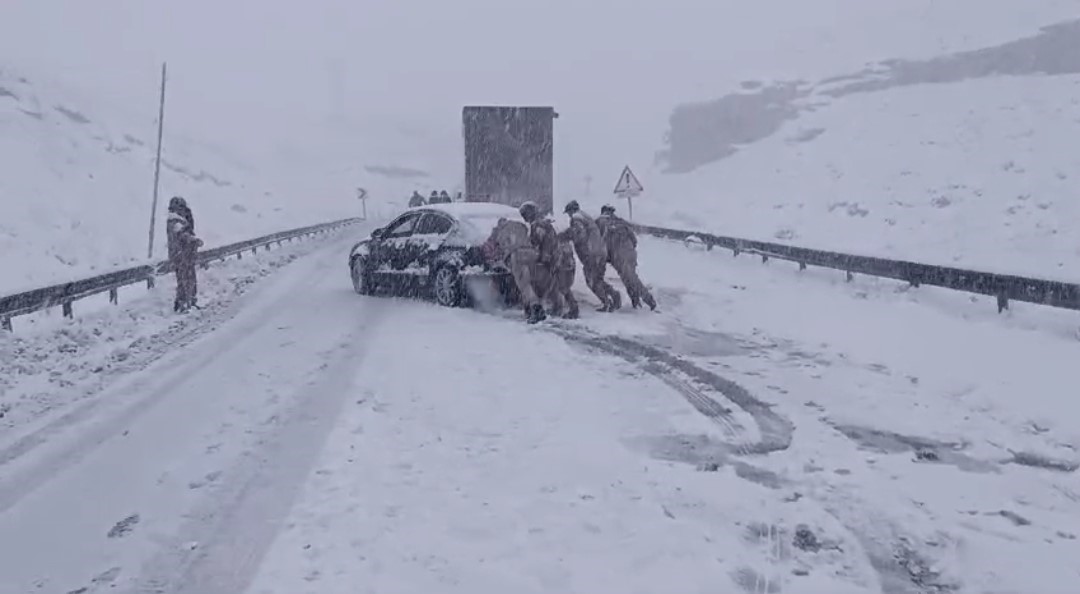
186,284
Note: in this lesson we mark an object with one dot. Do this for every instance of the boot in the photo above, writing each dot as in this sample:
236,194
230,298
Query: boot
650,301
616,300
536,314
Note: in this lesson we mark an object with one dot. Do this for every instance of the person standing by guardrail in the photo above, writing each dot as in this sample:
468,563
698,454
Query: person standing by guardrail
183,250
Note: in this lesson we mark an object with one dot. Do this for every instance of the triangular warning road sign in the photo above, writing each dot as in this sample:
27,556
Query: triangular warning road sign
628,183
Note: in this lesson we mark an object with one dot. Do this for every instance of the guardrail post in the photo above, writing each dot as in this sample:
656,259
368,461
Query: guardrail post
764,258
802,265
150,282
1002,302
5,324
67,309
254,250
735,251
114,296
850,276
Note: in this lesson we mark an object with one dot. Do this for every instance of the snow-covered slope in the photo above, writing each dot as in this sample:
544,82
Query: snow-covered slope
75,194
962,159
951,146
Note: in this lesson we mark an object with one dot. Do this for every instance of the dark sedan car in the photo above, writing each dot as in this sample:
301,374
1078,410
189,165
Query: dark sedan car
434,252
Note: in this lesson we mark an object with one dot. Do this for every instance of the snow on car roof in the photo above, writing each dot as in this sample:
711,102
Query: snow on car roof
478,210
476,220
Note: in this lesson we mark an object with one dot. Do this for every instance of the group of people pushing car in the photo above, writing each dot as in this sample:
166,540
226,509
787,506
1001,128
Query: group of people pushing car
541,259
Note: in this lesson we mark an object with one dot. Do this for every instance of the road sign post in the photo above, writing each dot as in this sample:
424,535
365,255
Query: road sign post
361,194
628,187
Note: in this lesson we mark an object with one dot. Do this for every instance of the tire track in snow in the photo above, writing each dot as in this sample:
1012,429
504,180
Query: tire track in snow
682,375
775,431
221,547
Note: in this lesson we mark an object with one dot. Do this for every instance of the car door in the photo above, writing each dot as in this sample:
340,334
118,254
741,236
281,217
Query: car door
392,257
426,241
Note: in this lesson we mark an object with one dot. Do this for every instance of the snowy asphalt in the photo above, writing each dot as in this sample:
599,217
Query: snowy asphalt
318,441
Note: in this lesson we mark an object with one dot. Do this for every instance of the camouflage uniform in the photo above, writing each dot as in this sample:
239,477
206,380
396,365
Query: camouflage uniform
511,244
592,252
621,245
183,249
562,283
555,267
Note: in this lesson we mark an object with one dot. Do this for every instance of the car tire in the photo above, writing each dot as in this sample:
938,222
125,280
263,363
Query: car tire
448,287
361,279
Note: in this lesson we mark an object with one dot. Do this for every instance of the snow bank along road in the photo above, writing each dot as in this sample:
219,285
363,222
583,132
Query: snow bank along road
323,442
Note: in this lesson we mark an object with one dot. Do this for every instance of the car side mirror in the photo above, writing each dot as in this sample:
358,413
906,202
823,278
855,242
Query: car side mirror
377,234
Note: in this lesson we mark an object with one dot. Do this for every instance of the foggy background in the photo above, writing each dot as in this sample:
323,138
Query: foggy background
307,84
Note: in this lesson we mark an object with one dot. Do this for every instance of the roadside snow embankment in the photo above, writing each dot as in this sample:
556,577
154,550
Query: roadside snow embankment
50,362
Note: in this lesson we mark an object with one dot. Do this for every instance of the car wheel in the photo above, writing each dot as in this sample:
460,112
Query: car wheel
361,280
448,287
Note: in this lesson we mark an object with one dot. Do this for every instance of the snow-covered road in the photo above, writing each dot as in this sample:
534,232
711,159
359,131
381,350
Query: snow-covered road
154,466
323,442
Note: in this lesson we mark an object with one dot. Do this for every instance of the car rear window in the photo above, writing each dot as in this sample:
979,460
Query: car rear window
476,229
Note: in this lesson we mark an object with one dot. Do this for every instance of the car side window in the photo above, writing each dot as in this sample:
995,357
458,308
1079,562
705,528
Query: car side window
433,224
402,228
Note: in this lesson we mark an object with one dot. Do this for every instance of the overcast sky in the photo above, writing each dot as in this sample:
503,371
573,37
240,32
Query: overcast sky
260,73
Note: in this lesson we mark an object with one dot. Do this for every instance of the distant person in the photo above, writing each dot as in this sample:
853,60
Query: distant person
440,198
416,200
621,242
457,198
434,198
183,249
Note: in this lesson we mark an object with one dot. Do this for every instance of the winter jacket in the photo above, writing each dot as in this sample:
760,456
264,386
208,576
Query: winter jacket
183,244
507,237
586,237
546,241
564,257
616,231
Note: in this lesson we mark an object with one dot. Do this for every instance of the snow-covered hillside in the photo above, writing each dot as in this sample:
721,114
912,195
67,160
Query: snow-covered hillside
75,194
961,159
915,128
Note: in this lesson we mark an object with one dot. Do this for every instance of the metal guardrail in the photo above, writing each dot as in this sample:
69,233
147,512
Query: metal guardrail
1004,287
65,294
